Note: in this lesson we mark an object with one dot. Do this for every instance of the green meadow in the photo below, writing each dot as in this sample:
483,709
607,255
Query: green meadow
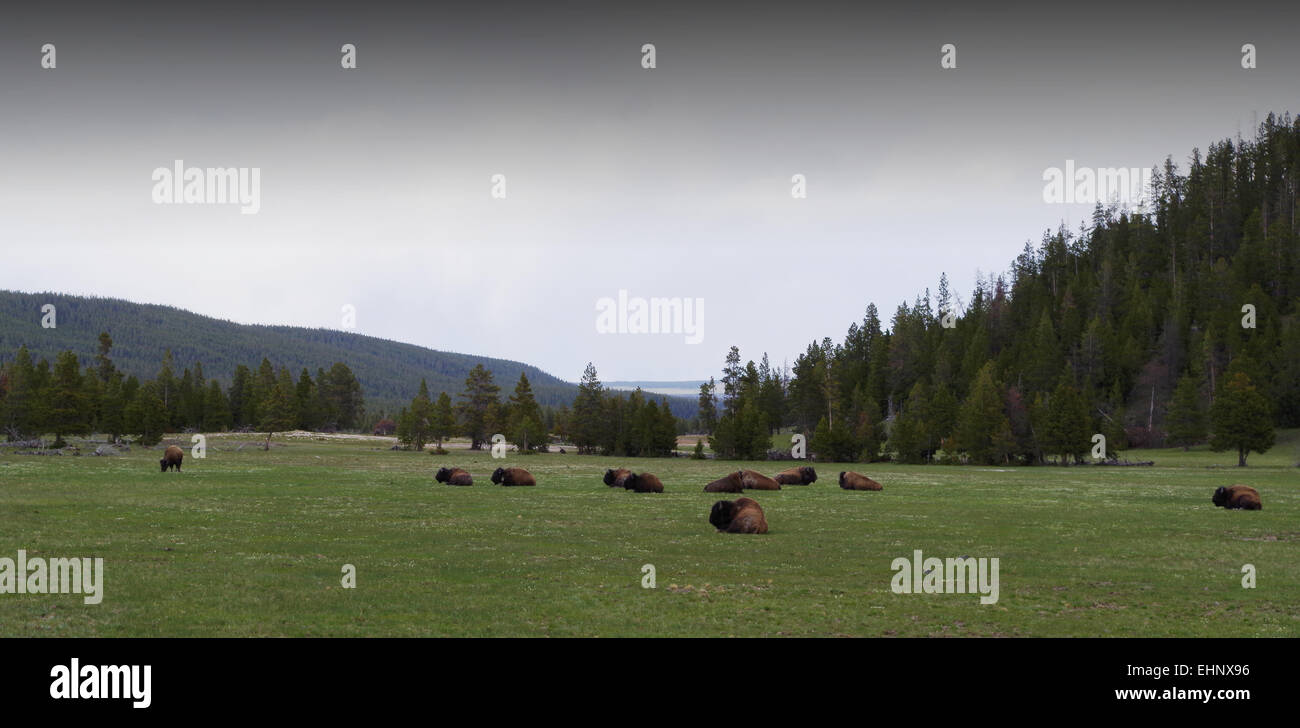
253,542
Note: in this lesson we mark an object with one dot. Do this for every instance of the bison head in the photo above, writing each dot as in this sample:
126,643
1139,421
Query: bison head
498,475
722,514
163,463
1220,497
443,475
809,475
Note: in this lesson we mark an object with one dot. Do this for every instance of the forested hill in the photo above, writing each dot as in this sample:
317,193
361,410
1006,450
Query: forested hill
1135,326
389,371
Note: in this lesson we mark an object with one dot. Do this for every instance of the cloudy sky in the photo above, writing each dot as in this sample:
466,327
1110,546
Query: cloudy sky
668,182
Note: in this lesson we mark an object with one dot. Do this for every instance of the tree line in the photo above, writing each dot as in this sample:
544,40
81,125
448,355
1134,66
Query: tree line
63,398
599,422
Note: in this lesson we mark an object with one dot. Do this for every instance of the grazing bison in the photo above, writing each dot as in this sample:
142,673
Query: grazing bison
512,476
754,480
172,458
742,515
804,475
617,478
858,481
453,476
643,483
729,484
1241,497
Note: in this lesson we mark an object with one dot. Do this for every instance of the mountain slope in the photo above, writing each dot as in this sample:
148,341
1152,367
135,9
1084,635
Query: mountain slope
389,371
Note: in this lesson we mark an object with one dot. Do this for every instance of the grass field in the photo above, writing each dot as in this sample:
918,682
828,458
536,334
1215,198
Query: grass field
252,543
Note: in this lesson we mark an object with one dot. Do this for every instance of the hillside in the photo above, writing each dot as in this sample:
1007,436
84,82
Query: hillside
389,371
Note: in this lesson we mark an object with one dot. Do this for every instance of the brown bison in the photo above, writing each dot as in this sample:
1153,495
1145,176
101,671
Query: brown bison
742,515
453,476
643,483
1241,497
617,478
754,480
804,475
512,476
172,458
858,481
730,483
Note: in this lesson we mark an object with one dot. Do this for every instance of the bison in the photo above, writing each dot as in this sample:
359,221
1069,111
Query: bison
453,476
858,481
742,515
512,476
804,475
754,480
728,484
643,483
1241,497
172,458
617,478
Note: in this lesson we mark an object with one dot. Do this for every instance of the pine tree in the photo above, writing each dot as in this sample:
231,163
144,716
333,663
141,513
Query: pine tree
103,362
146,415
277,410
216,412
665,442
908,437
21,414
420,413
1241,418
588,412
526,430
67,409
478,407
444,421
1066,427
981,419
708,407
238,397
307,402
731,376
1185,422
112,414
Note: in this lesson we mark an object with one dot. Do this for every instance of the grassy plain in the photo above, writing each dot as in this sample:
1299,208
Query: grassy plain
250,542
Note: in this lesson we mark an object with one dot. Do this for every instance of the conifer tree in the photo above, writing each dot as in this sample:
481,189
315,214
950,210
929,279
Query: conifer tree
1185,422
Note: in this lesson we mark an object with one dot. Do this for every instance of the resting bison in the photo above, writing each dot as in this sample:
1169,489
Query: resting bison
858,481
643,483
172,457
1243,497
742,515
728,484
453,476
512,476
617,477
754,480
804,475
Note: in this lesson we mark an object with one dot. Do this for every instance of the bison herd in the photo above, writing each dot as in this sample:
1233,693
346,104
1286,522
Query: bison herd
742,515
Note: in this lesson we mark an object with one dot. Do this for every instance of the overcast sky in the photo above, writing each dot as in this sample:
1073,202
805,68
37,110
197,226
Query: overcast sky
670,182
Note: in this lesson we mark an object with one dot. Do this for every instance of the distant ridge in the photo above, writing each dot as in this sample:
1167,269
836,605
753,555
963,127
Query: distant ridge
685,388
389,371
